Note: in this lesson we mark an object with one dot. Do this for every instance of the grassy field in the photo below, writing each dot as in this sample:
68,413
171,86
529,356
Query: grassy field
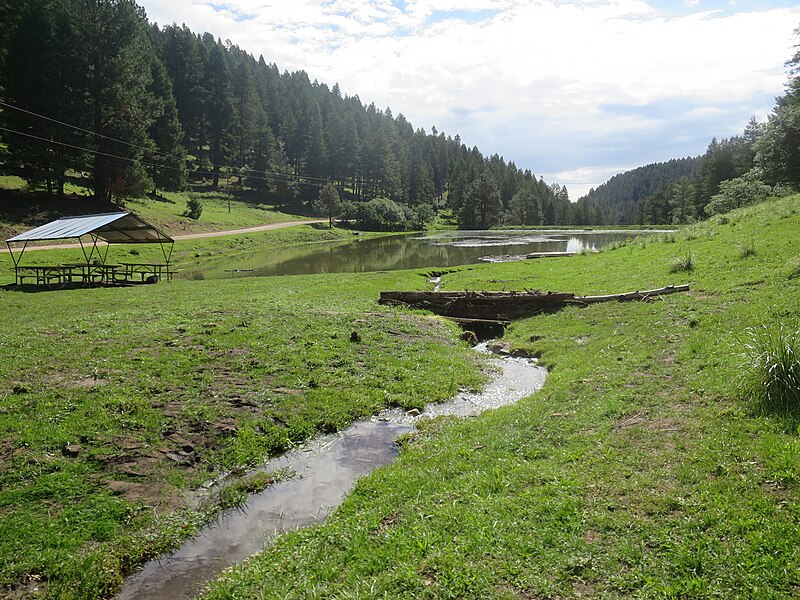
118,402
221,211
649,465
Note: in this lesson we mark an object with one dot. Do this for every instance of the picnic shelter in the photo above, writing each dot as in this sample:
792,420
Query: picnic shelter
111,228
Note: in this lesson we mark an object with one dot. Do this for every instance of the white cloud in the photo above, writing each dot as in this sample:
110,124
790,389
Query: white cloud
555,85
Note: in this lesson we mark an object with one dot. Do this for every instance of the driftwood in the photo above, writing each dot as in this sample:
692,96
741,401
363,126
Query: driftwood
507,306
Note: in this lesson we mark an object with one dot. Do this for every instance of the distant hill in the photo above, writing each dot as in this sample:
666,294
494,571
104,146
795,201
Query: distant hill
614,202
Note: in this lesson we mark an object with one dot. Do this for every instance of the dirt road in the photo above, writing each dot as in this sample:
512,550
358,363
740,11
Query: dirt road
193,236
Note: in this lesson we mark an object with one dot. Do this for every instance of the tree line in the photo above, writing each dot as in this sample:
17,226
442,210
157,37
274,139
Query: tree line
615,202
90,87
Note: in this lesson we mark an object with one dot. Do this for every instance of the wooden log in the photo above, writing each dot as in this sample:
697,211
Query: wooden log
670,289
507,306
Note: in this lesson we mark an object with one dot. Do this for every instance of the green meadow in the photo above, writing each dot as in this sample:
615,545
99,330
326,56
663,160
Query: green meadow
651,465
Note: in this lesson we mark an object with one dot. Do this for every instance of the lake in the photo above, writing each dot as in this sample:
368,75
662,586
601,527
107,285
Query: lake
407,251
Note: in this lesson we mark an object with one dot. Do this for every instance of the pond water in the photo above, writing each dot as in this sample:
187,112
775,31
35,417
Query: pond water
415,251
325,469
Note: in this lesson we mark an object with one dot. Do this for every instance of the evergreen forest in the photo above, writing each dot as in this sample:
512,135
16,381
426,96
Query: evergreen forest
686,190
91,91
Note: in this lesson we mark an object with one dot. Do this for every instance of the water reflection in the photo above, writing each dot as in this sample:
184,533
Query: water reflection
441,249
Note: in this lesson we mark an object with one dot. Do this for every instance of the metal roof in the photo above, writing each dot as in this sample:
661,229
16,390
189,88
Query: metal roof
113,228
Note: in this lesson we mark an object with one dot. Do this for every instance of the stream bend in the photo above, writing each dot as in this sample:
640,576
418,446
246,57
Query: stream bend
326,470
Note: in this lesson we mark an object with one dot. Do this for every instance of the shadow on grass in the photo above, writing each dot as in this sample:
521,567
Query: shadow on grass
32,288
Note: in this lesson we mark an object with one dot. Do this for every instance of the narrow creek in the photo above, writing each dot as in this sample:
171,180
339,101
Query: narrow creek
325,469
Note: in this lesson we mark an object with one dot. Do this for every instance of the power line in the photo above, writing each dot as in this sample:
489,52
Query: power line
94,133
276,174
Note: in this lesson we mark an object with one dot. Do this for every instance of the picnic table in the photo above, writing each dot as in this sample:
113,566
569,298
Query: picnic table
59,275
144,271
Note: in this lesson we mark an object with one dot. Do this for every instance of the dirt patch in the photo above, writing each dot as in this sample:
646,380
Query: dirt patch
69,381
30,588
288,391
628,421
6,453
149,494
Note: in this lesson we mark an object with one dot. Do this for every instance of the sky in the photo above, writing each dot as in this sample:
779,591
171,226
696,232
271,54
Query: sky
574,90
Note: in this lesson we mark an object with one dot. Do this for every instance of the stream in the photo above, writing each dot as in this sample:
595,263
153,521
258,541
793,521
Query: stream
326,469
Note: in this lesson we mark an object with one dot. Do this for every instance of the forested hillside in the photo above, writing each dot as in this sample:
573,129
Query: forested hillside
733,172
615,202
91,89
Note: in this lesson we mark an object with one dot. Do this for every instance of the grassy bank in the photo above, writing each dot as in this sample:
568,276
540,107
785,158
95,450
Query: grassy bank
117,403
647,466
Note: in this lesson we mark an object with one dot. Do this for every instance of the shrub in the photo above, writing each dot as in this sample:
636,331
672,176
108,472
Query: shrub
736,193
774,353
382,214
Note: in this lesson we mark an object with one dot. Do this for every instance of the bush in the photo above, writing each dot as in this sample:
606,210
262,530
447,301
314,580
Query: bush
382,214
747,248
794,268
774,353
736,193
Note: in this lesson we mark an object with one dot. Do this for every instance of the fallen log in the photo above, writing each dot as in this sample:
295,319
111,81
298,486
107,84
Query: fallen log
670,289
507,306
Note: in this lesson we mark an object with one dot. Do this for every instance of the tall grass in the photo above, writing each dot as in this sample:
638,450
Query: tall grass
774,353
682,263
747,247
794,268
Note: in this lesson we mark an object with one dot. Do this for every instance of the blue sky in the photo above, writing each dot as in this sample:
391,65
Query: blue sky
575,90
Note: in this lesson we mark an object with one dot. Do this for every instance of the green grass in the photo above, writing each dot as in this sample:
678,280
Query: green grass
116,402
644,468
12,182
169,213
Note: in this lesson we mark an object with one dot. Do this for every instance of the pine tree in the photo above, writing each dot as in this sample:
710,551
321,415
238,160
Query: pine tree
481,207
115,61
328,203
38,85
168,168
181,54
219,109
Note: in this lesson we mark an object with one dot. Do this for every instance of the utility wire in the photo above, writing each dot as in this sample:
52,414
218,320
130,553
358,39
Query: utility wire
273,175
150,150
94,133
